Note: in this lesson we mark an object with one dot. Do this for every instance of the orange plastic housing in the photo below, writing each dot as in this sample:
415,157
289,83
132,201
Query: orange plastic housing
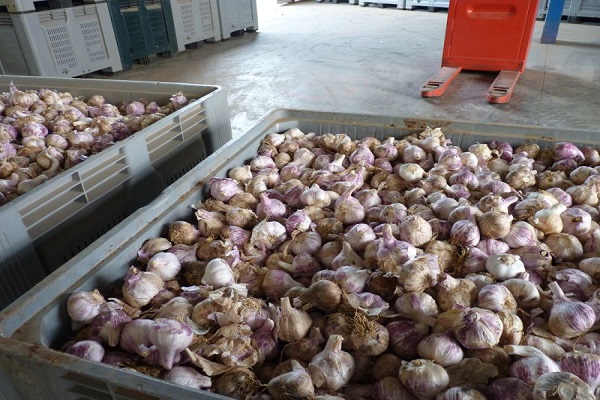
489,35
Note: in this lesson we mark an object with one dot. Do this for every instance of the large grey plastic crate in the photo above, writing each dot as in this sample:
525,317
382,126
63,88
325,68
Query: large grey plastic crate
585,8
209,13
64,42
43,228
195,21
237,15
37,322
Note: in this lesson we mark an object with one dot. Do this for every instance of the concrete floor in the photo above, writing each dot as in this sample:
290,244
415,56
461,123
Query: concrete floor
346,58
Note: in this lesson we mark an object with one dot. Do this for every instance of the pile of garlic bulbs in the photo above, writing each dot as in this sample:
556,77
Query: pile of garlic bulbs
44,132
406,268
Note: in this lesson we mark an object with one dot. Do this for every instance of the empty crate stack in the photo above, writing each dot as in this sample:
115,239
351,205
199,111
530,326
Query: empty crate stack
56,39
144,29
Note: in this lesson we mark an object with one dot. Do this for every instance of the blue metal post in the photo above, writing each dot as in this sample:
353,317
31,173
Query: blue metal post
553,17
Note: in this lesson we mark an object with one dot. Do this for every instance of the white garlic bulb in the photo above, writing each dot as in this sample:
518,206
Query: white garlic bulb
504,266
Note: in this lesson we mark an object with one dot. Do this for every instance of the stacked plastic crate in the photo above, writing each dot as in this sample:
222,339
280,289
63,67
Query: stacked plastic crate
41,229
195,22
56,38
380,3
237,16
144,30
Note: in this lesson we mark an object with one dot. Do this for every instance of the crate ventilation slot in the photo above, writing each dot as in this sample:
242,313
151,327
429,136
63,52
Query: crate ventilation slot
62,47
207,23
188,19
92,36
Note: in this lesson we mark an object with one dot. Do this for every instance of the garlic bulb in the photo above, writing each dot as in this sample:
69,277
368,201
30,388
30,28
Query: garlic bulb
268,234
423,378
164,264
504,266
405,335
451,291
461,393
496,297
477,328
568,319
564,246
218,273
140,287
465,232
525,293
415,230
419,307
332,368
83,307
533,364
494,224
368,337
441,347
87,349
585,366
411,172
549,220
561,386
294,384
509,389
292,324
512,328
170,338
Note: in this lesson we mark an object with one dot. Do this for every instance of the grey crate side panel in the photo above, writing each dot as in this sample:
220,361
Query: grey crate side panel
235,15
67,42
187,21
585,8
209,14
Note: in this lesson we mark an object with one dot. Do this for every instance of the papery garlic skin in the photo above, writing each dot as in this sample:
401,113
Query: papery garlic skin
561,386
